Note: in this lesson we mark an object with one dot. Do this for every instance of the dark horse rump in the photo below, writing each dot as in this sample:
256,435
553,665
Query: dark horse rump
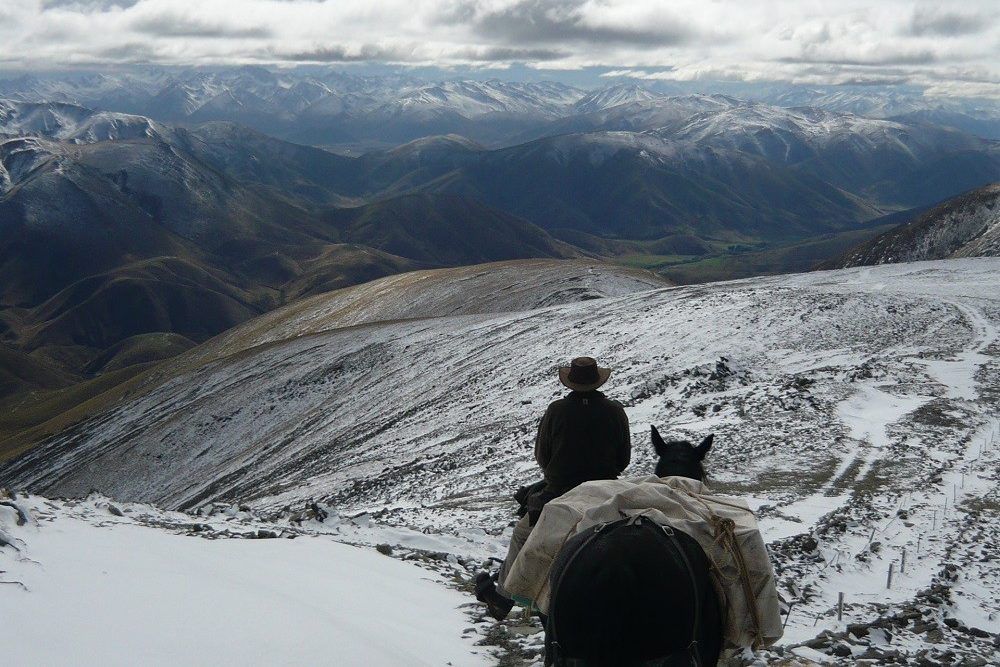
632,593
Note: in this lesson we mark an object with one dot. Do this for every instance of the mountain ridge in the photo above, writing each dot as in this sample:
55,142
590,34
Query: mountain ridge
964,226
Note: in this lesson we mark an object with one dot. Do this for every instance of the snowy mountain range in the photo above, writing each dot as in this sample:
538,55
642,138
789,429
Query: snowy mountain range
853,407
325,106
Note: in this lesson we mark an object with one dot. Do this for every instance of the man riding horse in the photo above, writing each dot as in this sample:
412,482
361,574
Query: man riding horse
582,437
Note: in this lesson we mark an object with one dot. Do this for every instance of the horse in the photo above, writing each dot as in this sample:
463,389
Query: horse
634,593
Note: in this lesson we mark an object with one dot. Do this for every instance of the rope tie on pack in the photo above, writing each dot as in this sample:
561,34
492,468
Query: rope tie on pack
725,534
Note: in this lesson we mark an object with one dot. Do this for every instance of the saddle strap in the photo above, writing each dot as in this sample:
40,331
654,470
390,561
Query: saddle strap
671,539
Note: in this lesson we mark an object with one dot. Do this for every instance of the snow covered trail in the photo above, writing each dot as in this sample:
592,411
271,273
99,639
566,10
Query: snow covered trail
885,546
101,589
868,414
959,375
871,410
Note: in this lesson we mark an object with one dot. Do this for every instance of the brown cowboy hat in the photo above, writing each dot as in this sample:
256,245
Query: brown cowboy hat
583,374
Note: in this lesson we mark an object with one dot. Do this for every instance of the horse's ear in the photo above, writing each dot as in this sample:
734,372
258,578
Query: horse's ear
658,444
705,445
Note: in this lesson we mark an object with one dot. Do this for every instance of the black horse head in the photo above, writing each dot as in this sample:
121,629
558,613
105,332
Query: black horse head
680,457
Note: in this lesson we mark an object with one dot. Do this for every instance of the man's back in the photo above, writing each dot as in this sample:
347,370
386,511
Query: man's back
582,437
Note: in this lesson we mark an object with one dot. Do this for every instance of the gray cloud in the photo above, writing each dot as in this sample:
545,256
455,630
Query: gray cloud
175,25
922,57
508,53
341,54
84,6
128,53
946,24
554,21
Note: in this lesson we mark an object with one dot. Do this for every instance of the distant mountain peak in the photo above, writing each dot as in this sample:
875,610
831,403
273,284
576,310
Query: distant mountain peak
622,93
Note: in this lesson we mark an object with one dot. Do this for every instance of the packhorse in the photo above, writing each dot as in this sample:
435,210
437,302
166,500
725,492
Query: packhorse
634,593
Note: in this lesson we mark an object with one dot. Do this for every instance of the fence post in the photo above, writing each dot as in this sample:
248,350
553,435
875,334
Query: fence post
888,581
902,565
840,606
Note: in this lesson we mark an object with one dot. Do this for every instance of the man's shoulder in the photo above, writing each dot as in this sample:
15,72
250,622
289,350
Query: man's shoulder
601,396
616,405
558,404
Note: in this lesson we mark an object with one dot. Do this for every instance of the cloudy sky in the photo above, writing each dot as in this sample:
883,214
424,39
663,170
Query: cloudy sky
949,47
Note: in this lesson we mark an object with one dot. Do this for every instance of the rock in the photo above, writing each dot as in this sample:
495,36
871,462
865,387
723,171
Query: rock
973,661
842,650
266,534
22,516
384,549
935,636
114,510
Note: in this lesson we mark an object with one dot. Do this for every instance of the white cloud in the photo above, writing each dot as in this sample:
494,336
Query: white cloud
943,44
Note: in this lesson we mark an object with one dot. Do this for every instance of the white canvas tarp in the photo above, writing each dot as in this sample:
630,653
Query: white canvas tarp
724,527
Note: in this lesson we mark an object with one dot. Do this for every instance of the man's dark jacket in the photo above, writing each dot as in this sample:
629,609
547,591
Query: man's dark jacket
582,437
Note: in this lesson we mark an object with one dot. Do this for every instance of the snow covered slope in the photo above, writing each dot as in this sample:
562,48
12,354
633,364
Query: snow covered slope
796,134
856,408
137,590
605,98
499,287
67,122
354,412
964,226
476,98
